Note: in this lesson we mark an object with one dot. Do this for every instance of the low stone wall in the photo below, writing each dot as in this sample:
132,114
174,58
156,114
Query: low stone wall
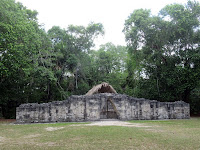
101,106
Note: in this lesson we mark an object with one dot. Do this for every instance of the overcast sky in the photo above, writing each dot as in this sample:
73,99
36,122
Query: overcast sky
111,13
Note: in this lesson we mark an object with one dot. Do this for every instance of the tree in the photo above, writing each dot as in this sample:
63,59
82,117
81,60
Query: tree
37,66
108,65
164,51
71,48
21,42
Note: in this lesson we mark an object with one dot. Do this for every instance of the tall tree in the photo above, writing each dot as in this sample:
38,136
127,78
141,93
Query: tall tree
71,48
108,65
21,39
164,51
36,66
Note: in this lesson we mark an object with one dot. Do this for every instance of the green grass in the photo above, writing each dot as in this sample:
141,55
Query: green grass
167,134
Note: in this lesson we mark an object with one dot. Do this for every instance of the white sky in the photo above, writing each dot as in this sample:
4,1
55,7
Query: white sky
111,13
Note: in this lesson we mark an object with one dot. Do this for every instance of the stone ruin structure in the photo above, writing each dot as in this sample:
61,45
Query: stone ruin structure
97,105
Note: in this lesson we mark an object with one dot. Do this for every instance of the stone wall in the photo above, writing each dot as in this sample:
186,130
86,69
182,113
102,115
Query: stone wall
101,106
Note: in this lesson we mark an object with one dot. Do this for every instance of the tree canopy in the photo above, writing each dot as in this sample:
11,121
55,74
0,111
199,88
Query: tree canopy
164,52
161,60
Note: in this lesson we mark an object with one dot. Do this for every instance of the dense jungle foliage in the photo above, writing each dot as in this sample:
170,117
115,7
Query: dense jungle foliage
161,60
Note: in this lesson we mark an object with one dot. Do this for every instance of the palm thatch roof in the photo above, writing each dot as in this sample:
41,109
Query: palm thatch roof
101,88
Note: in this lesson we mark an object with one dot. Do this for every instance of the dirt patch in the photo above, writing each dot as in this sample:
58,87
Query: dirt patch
48,144
154,130
2,139
114,123
53,128
7,120
32,136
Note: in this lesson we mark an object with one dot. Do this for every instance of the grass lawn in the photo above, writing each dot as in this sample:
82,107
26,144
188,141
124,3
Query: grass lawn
148,135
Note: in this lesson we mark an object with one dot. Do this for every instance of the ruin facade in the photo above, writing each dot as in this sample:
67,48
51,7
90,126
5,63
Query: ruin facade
101,106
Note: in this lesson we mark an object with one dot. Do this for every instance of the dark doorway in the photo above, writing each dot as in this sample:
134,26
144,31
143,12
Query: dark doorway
109,110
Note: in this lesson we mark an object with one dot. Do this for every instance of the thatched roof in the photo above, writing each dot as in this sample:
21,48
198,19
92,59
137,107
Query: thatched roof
101,88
